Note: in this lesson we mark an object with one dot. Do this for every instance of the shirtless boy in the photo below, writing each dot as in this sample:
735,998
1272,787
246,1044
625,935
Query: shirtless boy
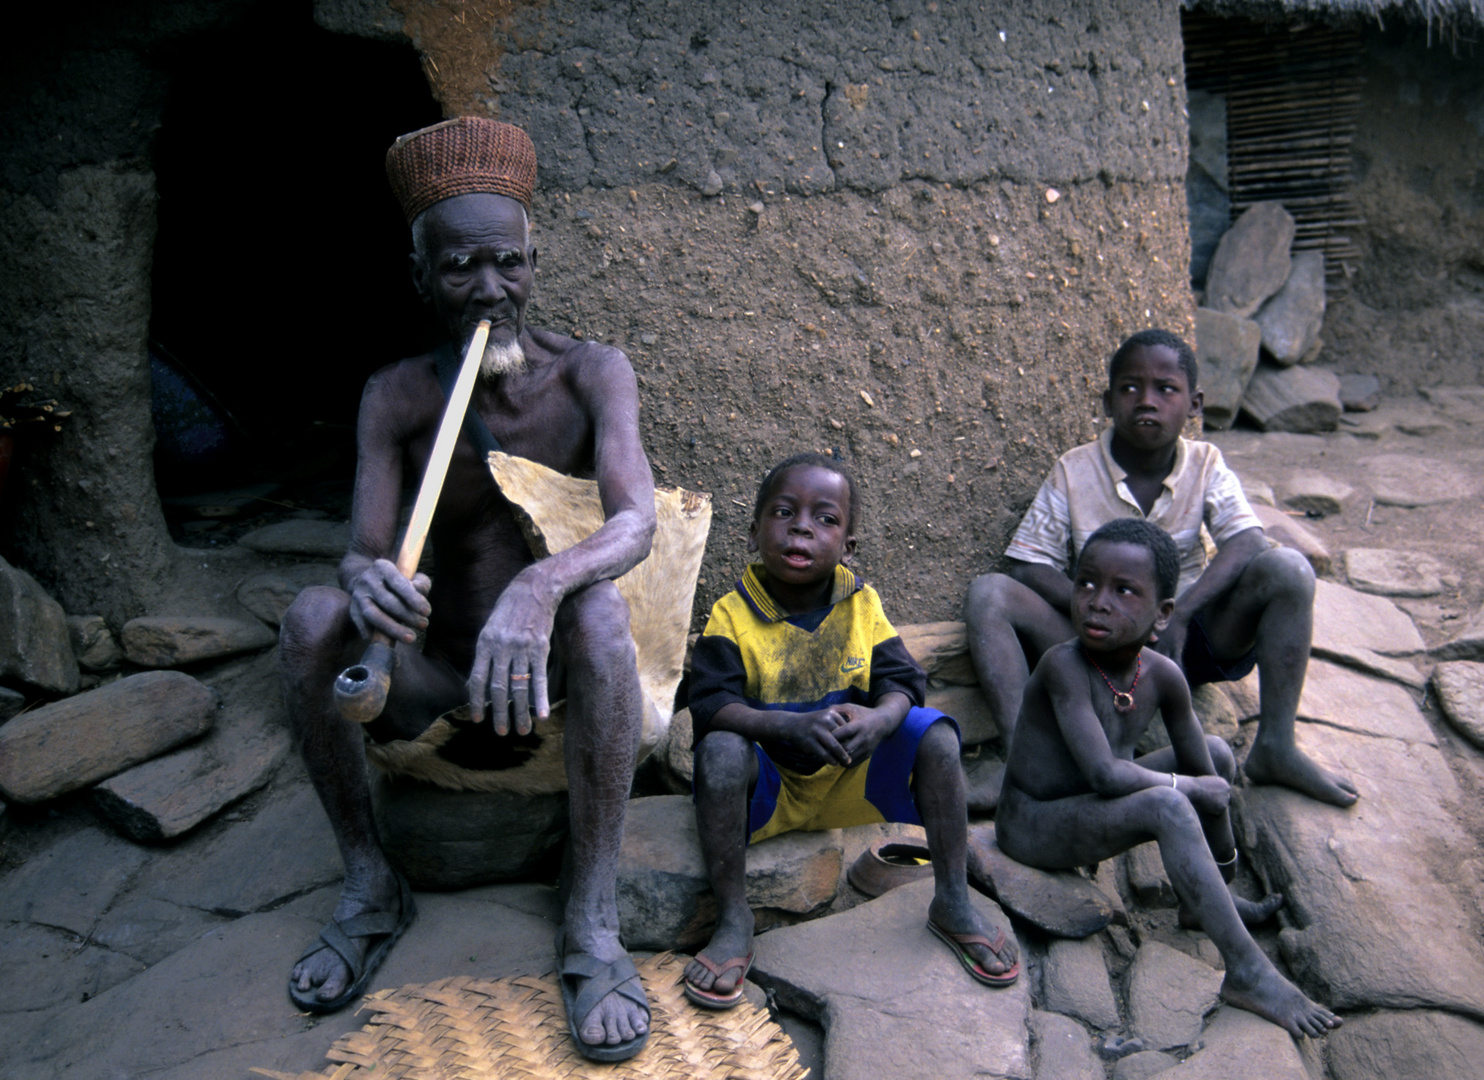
807,715
1253,604
1074,794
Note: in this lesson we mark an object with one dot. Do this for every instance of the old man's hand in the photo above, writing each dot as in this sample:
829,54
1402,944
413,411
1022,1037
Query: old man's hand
509,673
382,599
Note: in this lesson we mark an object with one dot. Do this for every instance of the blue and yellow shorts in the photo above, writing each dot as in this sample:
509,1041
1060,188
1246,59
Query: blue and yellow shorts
835,796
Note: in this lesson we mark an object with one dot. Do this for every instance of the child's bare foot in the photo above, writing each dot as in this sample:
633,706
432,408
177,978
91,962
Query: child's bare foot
1291,768
963,919
719,982
1271,996
1251,912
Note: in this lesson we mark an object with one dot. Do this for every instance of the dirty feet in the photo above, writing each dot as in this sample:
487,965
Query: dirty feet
1251,912
1289,767
1271,996
714,977
365,926
607,1011
992,959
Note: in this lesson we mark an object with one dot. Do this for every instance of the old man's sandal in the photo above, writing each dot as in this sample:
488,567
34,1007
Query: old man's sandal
339,938
585,980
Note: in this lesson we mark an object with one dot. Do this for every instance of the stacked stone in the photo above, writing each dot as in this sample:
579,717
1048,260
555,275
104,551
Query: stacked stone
1257,332
165,724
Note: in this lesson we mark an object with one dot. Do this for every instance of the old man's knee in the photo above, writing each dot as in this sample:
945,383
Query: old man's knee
314,626
594,627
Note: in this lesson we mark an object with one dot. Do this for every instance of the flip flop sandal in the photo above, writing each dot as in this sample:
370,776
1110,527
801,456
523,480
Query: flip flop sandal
705,998
600,979
340,937
956,942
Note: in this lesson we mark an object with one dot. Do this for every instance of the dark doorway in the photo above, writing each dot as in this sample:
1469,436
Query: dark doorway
280,279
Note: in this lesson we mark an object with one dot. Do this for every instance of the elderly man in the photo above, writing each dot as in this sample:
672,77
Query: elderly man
503,633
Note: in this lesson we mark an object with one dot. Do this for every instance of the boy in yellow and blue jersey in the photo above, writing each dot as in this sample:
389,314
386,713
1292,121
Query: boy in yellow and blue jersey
807,714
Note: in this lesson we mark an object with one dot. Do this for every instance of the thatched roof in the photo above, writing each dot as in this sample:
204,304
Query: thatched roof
1445,14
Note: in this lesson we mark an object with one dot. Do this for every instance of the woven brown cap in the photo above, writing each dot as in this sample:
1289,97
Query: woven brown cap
460,157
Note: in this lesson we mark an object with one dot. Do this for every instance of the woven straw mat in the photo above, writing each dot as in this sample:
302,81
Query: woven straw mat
513,1029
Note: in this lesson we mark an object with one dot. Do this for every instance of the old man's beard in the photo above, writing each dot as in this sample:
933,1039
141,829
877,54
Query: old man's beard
502,358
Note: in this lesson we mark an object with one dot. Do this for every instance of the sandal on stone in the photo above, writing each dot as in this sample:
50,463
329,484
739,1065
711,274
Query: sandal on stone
339,937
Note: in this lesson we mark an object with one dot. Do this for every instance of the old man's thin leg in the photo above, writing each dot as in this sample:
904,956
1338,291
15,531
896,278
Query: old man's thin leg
604,719
316,640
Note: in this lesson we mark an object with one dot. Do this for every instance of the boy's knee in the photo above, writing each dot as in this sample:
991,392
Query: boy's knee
1285,570
722,759
1173,809
939,744
1222,757
990,596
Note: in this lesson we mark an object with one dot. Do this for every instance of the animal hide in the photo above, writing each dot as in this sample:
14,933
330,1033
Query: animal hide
556,511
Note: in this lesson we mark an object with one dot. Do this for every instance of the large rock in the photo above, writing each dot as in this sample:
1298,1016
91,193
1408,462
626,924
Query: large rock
1302,399
1062,903
1239,1045
664,895
942,648
1360,393
34,644
1292,318
445,839
311,539
1074,981
1467,645
1411,480
1420,1043
71,883
1460,688
1063,1049
1251,262
1227,346
164,641
1292,532
268,595
1147,878
1168,995
966,704
1344,698
892,999
93,643
1365,631
1315,494
171,795
1380,896
1393,572
78,741
1143,1064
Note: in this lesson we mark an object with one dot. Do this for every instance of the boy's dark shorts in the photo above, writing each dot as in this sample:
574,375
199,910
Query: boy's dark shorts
1200,663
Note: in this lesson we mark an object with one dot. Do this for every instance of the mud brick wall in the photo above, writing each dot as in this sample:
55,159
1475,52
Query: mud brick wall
906,233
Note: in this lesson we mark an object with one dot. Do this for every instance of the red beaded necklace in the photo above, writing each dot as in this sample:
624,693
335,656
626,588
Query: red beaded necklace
1123,700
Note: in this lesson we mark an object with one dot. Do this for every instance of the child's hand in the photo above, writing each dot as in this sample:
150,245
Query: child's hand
863,730
1208,794
814,735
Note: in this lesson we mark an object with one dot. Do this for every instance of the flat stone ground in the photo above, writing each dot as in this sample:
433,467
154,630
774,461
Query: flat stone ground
124,960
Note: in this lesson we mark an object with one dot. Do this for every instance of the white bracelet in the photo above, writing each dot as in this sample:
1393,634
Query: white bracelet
1172,781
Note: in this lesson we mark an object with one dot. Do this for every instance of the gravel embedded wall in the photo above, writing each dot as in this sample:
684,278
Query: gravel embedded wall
907,233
